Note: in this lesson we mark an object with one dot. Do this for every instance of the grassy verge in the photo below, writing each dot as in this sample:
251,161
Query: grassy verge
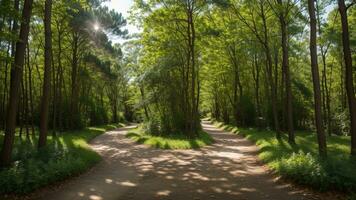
301,162
66,155
174,141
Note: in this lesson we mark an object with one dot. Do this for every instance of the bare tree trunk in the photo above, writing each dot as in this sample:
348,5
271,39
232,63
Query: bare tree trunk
30,90
348,73
316,81
74,86
5,94
287,78
269,68
59,75
142,91
17,72
256,77
47,76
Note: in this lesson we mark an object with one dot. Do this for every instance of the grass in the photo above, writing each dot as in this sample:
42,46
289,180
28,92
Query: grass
174,141
301,162
64,156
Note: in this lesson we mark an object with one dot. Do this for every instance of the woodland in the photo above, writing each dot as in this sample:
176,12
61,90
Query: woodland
279,72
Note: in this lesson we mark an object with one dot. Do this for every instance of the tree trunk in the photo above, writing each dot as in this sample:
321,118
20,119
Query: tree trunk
287,78
142,91
74,86
47,76
348,73
256,77
269,67
17,72
30,90
316,80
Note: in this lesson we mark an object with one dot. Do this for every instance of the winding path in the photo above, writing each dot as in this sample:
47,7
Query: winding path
226,170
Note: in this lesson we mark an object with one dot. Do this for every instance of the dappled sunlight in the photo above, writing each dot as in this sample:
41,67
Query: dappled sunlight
227,169
126,183
95,197
163,193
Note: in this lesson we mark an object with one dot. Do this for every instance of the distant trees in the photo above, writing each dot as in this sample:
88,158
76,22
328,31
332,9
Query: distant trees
170,62
245,62
242,68
58,91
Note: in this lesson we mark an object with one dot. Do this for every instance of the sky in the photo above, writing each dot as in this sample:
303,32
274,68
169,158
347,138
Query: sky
122,6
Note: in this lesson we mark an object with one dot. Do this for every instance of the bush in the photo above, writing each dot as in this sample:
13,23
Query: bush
27,175
171,141
304,168
65,156
340,123
301,162
151,127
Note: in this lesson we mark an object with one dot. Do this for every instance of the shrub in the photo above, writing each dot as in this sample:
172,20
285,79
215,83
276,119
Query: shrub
308,169
65,156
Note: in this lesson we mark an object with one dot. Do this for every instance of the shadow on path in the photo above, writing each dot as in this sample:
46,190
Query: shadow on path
228,169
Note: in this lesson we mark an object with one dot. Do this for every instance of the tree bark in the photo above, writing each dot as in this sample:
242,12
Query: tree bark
316,81
47,76
270,73
348,73
287,78
74,85
17,72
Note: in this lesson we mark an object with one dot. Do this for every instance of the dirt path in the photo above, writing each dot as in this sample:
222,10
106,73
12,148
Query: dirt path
226,170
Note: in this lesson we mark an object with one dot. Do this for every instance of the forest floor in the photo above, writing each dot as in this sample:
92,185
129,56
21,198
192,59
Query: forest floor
227,169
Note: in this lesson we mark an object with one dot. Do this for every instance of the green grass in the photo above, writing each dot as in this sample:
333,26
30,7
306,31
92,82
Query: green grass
174,141
64,156
301,162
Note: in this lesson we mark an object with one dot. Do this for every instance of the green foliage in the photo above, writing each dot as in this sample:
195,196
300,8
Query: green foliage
65,156
151,127
170,141
308,169
301,162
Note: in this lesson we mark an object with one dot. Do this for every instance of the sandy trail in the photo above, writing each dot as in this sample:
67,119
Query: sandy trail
228,169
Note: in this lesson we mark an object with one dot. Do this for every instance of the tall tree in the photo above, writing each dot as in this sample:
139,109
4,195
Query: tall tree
316,80
47,75
16,76
283,15
348,73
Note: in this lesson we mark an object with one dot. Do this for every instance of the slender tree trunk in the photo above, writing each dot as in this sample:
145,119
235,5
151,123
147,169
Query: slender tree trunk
59,75
348,73
324,85
17,72
5,94
25,104
142,91
316,80
270,73
74,85
193,71
287,78
47,76
30,90
54,97
256,77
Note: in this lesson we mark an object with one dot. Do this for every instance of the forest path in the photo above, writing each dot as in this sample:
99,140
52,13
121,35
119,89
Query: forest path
228,169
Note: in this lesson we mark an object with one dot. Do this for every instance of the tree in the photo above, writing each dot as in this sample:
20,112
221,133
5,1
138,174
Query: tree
316,80
47,75
262,35
16,76
283,11
348,73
